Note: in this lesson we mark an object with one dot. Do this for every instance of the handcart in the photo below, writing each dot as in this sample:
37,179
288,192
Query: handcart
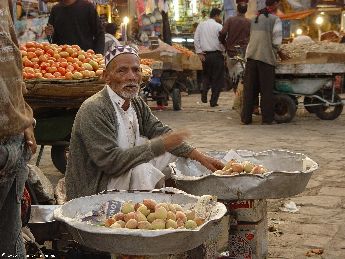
313,82
294,80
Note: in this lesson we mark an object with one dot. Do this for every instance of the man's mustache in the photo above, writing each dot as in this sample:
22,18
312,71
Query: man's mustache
131,85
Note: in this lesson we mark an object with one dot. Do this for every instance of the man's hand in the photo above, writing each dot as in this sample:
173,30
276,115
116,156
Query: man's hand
202,56
49,30
210,163
30,139
283,56
173,139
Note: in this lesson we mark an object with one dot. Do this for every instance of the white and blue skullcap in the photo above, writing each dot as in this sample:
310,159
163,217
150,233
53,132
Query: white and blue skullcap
115,51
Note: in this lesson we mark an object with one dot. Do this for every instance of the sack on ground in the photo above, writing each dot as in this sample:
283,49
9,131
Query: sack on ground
41,185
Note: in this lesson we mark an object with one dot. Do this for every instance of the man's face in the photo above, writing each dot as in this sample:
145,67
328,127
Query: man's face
218,19
275,6
123,75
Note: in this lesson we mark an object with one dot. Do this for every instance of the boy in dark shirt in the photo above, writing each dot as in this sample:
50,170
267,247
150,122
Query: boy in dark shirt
76,22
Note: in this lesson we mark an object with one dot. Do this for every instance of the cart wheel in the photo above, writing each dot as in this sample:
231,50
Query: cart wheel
59,157
329,112
176,98
284,108
310,100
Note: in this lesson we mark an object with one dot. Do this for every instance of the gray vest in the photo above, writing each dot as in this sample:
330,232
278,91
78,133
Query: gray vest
260,46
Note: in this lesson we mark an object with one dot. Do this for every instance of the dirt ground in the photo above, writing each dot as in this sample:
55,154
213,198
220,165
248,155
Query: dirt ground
319,223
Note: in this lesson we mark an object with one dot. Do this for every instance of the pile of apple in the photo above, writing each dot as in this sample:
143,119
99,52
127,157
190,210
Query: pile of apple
51,61
151,215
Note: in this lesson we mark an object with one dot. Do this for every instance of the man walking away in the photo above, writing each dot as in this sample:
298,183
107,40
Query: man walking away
209,50
236,32
264,42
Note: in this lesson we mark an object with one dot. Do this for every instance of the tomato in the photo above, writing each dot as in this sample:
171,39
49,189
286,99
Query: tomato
90,51
81,57
30,44
30,75
35,60
70,68
76,47
92,73
52,69
76,67
57,74
36,66
87,60
48,75
68,75
28,63
85,73
99,72
29,70
31,55
43,58
63,64
62,60
39,52
24,53
50,52
31,49
69,50
38,75
74,54
77,75
70,59
56,56
62,71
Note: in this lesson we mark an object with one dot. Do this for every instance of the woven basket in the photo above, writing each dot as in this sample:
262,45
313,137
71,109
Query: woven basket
60,93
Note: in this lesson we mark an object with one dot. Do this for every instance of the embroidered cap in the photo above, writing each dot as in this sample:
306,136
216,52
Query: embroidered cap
115,51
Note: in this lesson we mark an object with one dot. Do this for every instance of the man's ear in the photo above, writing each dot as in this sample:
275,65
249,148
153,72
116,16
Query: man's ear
106,76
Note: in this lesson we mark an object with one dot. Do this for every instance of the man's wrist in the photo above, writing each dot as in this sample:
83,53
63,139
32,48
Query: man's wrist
195,155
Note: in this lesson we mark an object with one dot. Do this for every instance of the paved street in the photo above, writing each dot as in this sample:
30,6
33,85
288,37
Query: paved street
320,221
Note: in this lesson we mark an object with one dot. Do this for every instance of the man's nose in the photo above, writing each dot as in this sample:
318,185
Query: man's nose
132,74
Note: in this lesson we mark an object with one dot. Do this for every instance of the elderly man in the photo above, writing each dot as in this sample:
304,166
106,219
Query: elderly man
16,137
116,142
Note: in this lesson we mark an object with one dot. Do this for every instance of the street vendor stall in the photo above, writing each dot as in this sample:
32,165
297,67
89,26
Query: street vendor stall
171,67
58,79
145,223
243,185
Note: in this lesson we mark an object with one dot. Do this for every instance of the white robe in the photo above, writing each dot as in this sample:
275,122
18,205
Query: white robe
146,176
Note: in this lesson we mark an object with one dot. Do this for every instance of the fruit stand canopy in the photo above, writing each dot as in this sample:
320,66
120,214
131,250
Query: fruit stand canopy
297,15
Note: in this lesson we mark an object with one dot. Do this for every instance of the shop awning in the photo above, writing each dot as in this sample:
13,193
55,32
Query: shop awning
297,15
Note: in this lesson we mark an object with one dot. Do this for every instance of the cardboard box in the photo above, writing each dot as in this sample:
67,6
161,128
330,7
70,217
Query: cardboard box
247,210
171,60
248,240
